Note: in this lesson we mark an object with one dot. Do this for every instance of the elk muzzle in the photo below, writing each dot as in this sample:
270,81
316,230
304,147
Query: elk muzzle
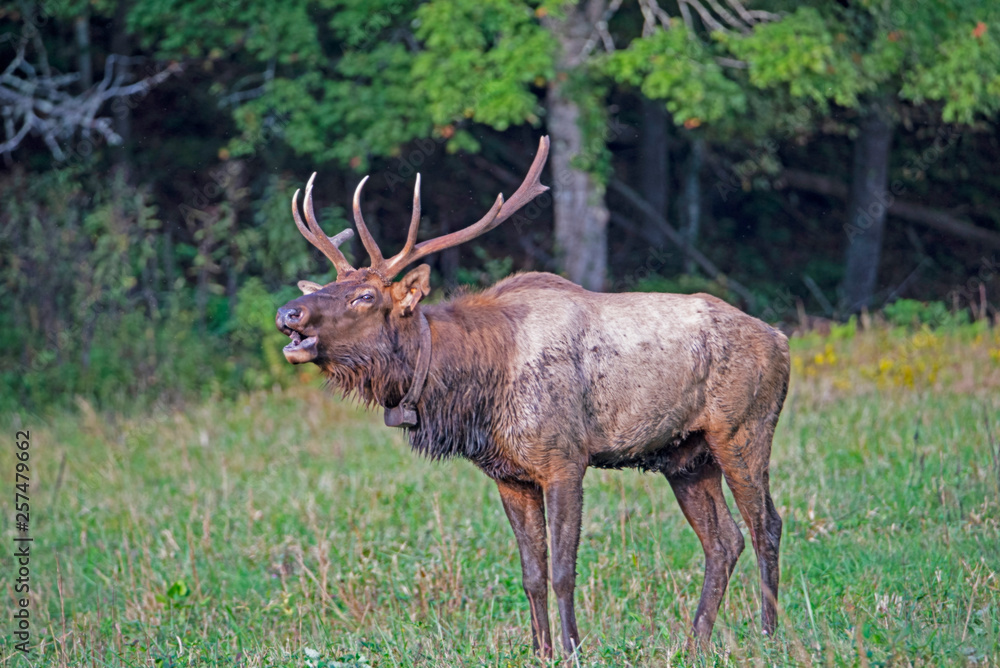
291,320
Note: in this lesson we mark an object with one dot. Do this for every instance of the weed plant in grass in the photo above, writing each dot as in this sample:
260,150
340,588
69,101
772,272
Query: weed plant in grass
290,528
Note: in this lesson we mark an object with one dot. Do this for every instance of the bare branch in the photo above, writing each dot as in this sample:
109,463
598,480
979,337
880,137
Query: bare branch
13,139
743,20
752,16
652,14
728,17
936,219
706,16
600,31
732,62
761,15
686,15
747,17
606,39
238,96
38,101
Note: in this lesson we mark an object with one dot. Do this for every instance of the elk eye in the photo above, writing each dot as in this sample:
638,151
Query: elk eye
365,298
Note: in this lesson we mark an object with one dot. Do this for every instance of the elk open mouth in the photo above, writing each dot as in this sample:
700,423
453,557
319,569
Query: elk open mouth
302,348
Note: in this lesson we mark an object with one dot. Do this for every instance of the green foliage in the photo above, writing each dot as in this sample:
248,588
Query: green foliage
673,66
86,278
964,73
463,62
914,313
821,56
489,272
805,51
254,333
685,284
844,331
286,528
266,30
175,596
480,61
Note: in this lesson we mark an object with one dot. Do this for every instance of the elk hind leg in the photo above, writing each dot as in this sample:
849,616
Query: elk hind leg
744,459
699,493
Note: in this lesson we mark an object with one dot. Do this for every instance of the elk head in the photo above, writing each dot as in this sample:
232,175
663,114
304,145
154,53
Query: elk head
340,322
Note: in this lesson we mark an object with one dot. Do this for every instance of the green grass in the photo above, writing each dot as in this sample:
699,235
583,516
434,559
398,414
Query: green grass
288,528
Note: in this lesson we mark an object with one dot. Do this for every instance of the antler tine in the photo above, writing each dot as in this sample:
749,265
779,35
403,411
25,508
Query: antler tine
366,237
411,237
530,188
298,219
425,248
329,245
315,235
341,237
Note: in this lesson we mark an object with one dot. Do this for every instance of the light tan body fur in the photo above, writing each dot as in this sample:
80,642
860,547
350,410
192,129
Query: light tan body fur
626,389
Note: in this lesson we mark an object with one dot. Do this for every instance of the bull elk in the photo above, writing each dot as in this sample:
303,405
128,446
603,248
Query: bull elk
534,379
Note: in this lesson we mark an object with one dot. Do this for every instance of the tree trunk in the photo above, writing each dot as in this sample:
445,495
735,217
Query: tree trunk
936,219
121,44
81,28
654,161
692,198
866,209
581,215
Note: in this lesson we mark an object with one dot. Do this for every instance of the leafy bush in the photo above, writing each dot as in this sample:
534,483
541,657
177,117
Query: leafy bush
255,336
492,269
845,331
684,284
98,315
913,313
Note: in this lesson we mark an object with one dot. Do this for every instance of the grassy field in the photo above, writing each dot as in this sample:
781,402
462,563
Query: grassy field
288,528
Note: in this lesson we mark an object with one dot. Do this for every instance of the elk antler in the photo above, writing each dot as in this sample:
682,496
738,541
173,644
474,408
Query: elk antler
315,235
501,210
366,237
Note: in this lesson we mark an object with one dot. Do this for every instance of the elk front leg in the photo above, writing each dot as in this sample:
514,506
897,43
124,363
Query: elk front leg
523,503
564,501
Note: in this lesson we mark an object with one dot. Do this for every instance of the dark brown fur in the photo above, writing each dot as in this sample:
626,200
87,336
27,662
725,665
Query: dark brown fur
536,379
481,404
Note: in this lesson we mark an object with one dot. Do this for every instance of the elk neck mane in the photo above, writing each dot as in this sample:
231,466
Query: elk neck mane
467,389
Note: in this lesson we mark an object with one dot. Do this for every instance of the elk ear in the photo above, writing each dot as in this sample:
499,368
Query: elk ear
308,287
409,290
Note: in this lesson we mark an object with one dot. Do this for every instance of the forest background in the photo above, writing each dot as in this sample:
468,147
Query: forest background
804,160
